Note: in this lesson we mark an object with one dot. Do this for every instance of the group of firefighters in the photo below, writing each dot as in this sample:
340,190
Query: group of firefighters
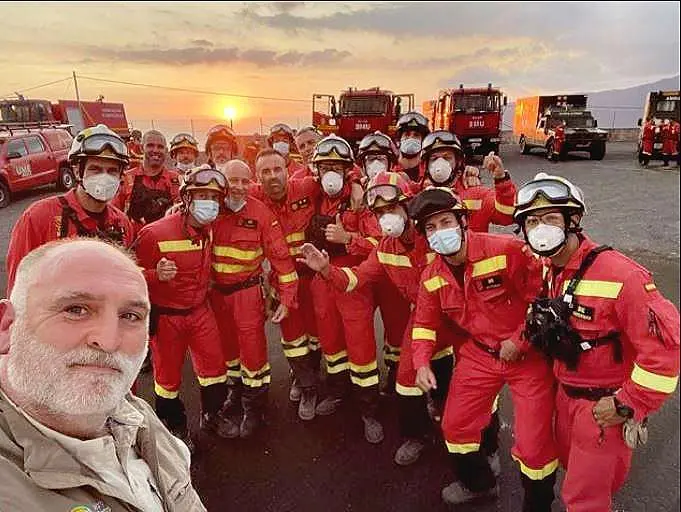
667,132
316,238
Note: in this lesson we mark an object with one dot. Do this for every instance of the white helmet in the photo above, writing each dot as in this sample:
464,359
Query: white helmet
94,141
548,191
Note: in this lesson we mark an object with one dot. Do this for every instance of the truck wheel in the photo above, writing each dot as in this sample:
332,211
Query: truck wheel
66,179
524,149
5,195
597,152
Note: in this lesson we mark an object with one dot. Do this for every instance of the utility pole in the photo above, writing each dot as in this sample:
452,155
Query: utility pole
153,127
261,126
191,123
75,85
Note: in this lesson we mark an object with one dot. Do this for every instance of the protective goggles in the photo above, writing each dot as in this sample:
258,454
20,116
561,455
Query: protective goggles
412,119
325,147
281,127
96,144
552,190
444,137
375,139
203,178
183,137
220,131
389,193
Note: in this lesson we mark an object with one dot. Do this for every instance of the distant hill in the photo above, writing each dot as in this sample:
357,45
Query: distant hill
624,107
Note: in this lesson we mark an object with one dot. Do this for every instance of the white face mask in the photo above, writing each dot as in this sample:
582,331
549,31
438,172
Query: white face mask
281,147
446,241
410,146
332,183
204,211
392,224
375,167
102,187
440,170
545,240
184,167
235,204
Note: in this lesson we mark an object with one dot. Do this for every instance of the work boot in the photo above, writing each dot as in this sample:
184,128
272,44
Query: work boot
232,404
409,452
456,494
495,464
539,494
308,402
433,410
373,430
254,401
251,422
388,387
295,392
219,424
328,406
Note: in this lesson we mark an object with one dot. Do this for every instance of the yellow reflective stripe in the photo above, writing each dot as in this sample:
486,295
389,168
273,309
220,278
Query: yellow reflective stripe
288,278
420,333
489,265
650,287
473,204
179,246
435,283
364,382
164,393
234,373
332,358
654,381
295,343
352,279
237,254
295,251
372,241
256,383
295,237
537,474
430,257
226,268
337,368
207,381
462,448
296,352
449,351
256,373
407,390
234,363
365,368
391,357
394,260
602,289
506,210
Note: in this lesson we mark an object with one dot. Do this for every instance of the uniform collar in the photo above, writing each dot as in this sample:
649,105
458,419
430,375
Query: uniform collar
585,246
81,213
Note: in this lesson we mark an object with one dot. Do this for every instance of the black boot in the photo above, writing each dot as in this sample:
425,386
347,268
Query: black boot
232,405
388,387
539,494
337,388
414,426
212,401
367,399
172,414
254,401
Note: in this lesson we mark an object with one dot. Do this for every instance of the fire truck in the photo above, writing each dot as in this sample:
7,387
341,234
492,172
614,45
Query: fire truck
359,112
473,114
78,115
660,105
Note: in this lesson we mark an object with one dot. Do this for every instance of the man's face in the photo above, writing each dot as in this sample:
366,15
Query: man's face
439,221
411,134
81,340
221,152
447,154
95,165
185,156
272,173
548,216
238,179
206,195
155,151
306,143
337,167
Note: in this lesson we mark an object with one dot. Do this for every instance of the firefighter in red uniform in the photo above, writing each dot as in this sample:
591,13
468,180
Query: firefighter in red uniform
98,157
244,235
614,339
176,254
135,149
185,151
345,320
676,134
556,150
412,128
282,139
670,137
484,283
149,190
647,142
221,145
306,140
444,163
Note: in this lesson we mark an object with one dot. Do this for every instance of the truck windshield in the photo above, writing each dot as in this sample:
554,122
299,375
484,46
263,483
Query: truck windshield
667,106
573,121
477,103
363,105
24,112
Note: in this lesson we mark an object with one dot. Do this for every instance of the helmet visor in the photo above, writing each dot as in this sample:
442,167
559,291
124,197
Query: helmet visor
281,127
380,141
96,144
389,193
220,131
412,119
183,137
446,138
204,177
325,147
553,190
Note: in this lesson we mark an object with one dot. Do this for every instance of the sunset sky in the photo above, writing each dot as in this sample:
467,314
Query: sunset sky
294,49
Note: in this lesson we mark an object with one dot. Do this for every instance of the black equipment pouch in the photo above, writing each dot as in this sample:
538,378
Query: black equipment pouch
113,234
316,236
146,203
157,311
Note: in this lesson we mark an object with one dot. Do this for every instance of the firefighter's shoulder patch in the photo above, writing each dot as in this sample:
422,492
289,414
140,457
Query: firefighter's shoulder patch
583,312
649,287
488,283
248,223
300,204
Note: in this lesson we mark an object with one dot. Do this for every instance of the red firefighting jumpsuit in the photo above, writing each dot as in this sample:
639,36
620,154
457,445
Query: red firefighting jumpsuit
58,217
489,300
615,295
241,242
296,168
185,319
146,198
670,137
648,139
488,205
136,153
558,141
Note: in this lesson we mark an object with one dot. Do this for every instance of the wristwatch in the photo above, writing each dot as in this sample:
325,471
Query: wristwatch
623,410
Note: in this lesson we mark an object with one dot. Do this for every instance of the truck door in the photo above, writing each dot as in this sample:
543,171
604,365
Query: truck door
406,104
324,113
43,162
18,165
540,132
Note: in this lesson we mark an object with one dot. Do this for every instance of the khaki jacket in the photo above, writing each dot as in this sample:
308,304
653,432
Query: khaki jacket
36,473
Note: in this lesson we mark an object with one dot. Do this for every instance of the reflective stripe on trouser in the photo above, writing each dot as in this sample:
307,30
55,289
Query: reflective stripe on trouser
395,311
241,321
477,380
596,467
198,332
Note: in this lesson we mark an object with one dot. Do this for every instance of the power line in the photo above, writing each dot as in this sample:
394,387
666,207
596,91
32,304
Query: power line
197,91
36,87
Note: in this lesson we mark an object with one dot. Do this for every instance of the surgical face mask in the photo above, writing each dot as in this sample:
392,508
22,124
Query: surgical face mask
204,211
281,147
184,167
235,204
410,146
440,170
546,240
392,224
332,183
102,187
446,241
375,167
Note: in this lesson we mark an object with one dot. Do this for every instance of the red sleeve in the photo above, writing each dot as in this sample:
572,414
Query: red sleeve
123,191
148,255
368,236
498,203
27,234
525,274
651,324
427,319
276,251
347,279
174,179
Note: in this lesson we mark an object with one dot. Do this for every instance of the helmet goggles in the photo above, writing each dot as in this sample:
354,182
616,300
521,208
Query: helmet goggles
389,194
182,138
97,143
204,177
552,190
379,140
412,119
327,146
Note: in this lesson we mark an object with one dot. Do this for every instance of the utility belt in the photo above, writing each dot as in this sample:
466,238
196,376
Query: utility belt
486,348
592,394
228,289
158,311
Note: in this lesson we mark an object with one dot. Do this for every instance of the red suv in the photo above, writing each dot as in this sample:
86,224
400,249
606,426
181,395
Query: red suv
33,158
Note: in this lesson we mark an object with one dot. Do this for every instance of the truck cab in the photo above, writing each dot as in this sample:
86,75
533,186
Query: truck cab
659,106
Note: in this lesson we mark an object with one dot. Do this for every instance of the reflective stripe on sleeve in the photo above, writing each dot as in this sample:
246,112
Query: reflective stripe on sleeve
288,278
446,352
435,283
502,208
473,204
394,260
489,265
654,381
352,279
420,333
295,237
